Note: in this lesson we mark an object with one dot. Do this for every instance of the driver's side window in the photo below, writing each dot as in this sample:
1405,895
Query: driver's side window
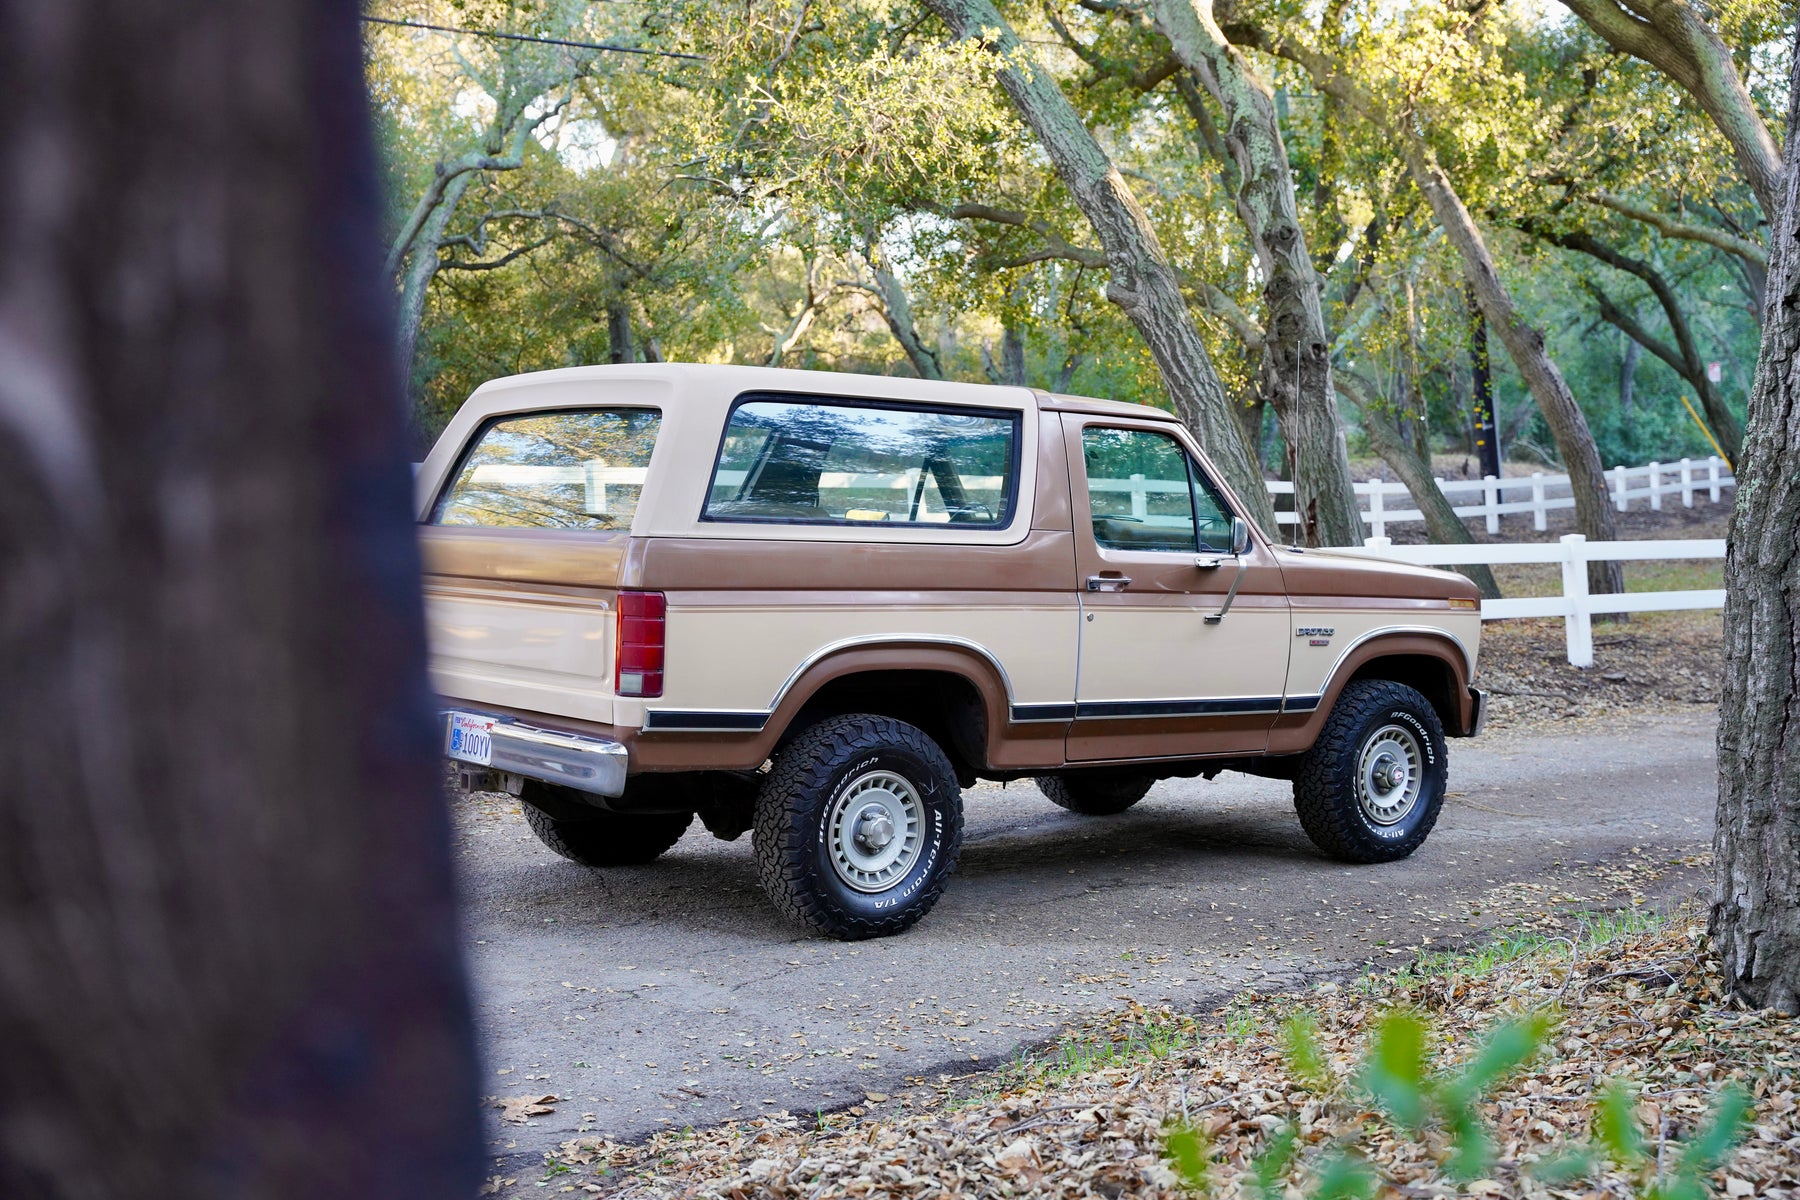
1146,494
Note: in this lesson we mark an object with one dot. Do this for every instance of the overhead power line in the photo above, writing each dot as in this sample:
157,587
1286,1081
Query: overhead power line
527,37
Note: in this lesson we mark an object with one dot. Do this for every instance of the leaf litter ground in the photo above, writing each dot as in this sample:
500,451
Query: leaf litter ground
1638,1000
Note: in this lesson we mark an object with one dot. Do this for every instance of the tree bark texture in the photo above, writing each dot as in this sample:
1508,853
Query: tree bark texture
1143,283
1674,38
1628,363
1482,417
425,250
1296,350
1523,342
1441,522
896,310
228,962
1525,345
619,348
1756,863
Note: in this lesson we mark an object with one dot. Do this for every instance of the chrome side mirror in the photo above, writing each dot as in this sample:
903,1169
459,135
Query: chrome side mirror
1240,535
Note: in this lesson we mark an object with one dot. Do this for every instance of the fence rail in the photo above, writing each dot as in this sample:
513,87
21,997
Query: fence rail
1487,496
1577,606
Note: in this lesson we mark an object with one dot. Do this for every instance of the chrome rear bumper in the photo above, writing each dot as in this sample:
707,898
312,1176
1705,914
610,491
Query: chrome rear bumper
1480,719
572,760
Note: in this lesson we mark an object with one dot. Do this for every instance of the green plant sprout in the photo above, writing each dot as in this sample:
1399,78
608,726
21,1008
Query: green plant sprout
1398,1075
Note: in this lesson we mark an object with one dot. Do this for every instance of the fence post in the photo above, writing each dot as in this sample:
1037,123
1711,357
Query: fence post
1140,507
1377,509
1687,483
1537,500
1378,543
1655,470
1619,499
1579,624
1712,478
1491,489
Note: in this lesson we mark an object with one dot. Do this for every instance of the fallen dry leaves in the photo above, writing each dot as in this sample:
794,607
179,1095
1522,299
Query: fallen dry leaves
517,1108
1646,1008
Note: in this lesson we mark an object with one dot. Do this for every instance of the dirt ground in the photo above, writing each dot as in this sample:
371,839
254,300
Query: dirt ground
1631,1002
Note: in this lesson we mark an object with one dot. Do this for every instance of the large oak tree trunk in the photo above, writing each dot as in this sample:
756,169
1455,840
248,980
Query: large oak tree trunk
227,939
1525,345
1143,283
1756,870
1296,356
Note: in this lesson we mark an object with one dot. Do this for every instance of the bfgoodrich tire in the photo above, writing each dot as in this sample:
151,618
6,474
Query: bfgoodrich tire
1100,793
858,827
596,838
1370,788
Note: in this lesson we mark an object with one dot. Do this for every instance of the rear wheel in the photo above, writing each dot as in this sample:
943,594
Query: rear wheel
1095,793
594,837
858,826
1370,788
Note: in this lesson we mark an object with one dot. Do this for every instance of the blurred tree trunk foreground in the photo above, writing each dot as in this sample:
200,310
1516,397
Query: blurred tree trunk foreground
228,961
1756,869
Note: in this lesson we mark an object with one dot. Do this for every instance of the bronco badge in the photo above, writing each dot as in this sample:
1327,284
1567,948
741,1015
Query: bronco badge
1319,635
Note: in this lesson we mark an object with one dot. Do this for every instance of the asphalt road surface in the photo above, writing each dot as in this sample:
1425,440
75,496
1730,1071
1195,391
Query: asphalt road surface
672,994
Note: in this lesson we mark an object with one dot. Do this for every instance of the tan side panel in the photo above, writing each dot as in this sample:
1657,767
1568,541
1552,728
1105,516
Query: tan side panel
741,655
720,572
1170,651
579,558
533,651
1311,666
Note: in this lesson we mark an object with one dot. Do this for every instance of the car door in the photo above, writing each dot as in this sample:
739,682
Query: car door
1184,644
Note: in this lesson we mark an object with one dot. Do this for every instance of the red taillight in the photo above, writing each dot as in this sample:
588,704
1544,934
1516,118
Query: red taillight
638,665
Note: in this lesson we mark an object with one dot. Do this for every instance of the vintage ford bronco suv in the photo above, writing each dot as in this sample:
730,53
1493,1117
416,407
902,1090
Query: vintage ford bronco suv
816,606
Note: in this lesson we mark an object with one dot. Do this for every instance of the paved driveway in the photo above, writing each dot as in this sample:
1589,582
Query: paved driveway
673,995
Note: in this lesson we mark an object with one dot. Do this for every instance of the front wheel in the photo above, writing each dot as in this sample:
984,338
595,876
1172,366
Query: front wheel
858,826
1370,788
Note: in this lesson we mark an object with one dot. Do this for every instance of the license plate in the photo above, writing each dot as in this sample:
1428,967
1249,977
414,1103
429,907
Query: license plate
471,739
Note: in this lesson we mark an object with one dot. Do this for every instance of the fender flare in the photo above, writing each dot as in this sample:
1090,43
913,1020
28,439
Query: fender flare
1295,731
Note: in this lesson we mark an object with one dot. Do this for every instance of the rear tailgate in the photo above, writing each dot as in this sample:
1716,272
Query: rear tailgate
523,618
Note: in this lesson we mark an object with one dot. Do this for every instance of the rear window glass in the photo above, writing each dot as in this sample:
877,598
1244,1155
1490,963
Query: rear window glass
844,463
573,469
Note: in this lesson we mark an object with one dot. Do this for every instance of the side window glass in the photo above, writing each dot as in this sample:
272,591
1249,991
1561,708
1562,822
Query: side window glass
1213,518
1140,492
567,469
842,463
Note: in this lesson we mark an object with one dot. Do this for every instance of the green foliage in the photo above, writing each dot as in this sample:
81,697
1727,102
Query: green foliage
1620,1139
736,208
1397,1073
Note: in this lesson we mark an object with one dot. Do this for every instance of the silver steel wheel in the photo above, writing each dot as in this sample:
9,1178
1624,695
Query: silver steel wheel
874,831
1390,774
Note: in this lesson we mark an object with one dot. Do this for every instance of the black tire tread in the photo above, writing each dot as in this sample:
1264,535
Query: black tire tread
609,839
1318,787
803,774
1095,794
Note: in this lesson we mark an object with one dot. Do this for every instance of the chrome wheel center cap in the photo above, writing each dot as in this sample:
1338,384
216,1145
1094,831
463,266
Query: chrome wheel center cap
874,828
1390,774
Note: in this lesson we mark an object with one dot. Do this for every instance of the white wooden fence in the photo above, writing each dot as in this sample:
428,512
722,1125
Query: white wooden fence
1576,605
1488,497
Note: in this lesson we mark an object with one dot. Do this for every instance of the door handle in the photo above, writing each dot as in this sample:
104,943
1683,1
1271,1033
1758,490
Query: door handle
1209,562
1108,583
